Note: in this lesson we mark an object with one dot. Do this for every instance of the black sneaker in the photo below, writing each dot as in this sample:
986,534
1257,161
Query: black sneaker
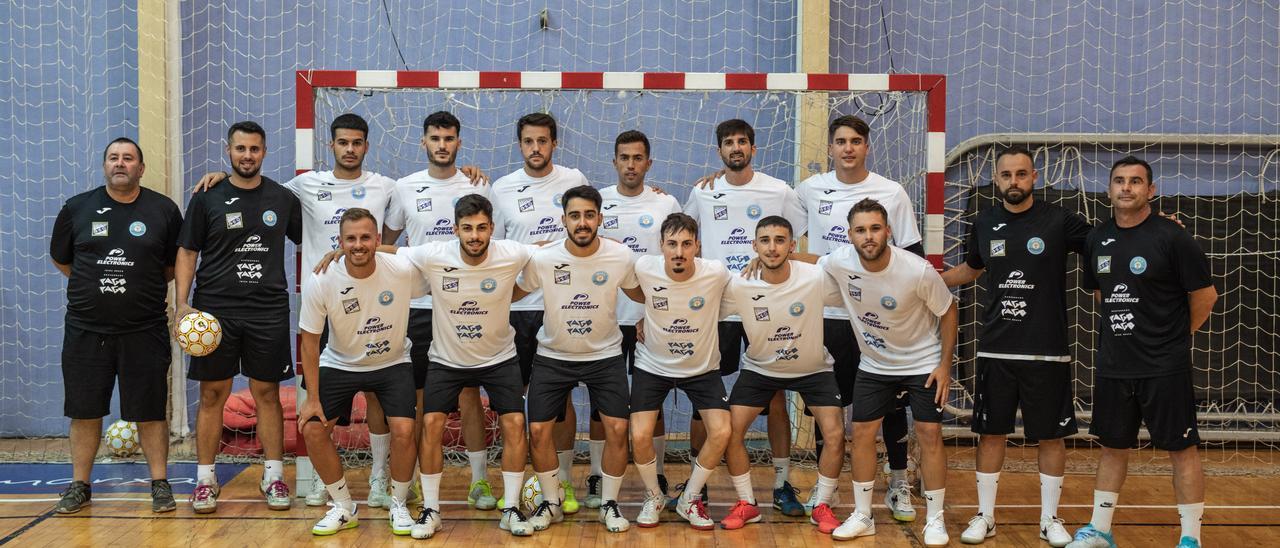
162,497
75,497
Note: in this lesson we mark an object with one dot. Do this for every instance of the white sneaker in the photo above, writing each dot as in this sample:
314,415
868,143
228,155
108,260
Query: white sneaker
336,519
427,524
856,525
809,504
651,511
981,528
545,514
378,495
935,531
612,518
398,515
318,495
514,521
898,498
1053,532
694,512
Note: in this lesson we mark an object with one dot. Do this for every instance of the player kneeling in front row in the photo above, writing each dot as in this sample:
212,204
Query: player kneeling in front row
366,300
906,320
781,314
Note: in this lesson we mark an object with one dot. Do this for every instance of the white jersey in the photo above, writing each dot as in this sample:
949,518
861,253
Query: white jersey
368,317
528,209
423,205
826,202
895,310
783,322
581,297
680,332
325,198
470,316
727,216
637,222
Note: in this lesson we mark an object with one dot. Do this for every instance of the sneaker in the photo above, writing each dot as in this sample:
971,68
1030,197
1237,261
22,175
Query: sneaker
514,521
415,495
379,497
785,501
695,512
74,497
277,494
593,499
568,503
675,498
898,498
318,495
612,518
824,518
856,525
1088,537
162,497
740,515
398,515
980,528
545,514
812,502
336,519
650,512
204,500
427,524
480,496
1053,532
1188,542
935,531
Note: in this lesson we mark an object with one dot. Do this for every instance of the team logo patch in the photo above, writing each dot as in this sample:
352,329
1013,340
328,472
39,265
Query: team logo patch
754,212
488,285
324,196
525,205
855,292
720,213
424,204
561,277
137,228
269,218
235,220
646,221
386,297
556,200
762,313
659,303
889,303
1138,265
99,229
1104,264
997,248
449,284
796,309
600,277
610,221
1035,246
697,303
358,192
350,306
824,207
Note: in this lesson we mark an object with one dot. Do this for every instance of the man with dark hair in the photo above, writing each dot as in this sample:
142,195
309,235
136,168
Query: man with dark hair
238,232
365,298
1153,288
527,205
727,210
1023,357
116,246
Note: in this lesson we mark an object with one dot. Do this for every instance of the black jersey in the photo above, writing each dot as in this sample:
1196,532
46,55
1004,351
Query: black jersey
1025,257
1144,274
118,254
240,236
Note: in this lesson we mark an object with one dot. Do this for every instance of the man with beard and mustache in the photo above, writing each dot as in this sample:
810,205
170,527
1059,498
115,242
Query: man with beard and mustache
906,321
526,208
1023,246
365,300
727,210
579,342
238,232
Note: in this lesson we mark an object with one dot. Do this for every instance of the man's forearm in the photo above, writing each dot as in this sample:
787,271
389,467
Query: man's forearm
184,273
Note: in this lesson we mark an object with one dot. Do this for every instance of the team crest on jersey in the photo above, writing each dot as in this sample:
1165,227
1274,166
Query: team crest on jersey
358,192
720,213
488,285
324,196
646,221
269,218
611,221
449,284
754,212
424,204
137,228
1138,265
697,303
600,277
762,313
855,292
557,199
1104,264
350,306
525,205
997,248
1035,246
386,297
659,303
99,229
824,207
235,220
889,303
796,309
561,277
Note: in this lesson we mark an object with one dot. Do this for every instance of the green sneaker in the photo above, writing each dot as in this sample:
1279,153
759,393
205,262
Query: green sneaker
75,497
569,504
480,496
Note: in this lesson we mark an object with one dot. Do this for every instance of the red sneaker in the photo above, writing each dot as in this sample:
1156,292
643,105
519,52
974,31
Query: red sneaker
824,518
740,515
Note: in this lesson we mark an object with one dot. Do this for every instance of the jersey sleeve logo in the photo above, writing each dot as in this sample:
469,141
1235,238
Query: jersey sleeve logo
137,228
888,302
1138,265
386,297
646,221
234,220
997,248
99,229
1104,264
269,218
1035,246
600,277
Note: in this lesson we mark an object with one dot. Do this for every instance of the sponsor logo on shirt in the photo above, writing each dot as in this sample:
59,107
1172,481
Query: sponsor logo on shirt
1016,280
659,288
337,216
525,205
610,221
234,220
115,257
137,228
424,204
631,242
324,196
1121,323
469,332
997,248
350,306
754,212
607,207
824,207
386,297
784,333
762,313
646,221
600,277
232,201
111,285
680,348
697,303
546,225
736,263
560,277
1104,264
720,213
787,354
871,319
578,328
103,210
373,325
358,192
1138,265
523,188
1120,294
1107,241
449,268
469,308
346,290
680,326
249,271
1013,308
449,284
872,340
581,301
855,292
1035,246
836,234
660,303
737,236
376,348
997,227
269,218
796,309
253,244
888,302
443,227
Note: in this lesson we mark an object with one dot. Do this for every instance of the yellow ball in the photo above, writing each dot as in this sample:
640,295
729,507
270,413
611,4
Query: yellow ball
199,333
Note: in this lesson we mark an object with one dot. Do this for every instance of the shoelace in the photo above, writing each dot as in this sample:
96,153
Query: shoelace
612,508
160,489
593,484
203,491
79,492
699,509
517,514
424,516
278,488
335,512
543,509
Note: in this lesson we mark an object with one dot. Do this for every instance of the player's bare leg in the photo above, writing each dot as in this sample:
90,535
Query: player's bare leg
379,446
745,511
542,450
565,433
480,491
642,428
213,397
328,467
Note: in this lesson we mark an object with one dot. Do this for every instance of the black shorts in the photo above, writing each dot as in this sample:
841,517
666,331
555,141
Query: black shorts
389,384
649,391
257,349
92,361
1041,389
554,380
501,381
629,346
732,340
753,389
841,343
420,336
875,396
1166,404
526,324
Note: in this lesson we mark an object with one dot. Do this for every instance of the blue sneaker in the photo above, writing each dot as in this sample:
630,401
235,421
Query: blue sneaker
1188,542
784,500
1088,537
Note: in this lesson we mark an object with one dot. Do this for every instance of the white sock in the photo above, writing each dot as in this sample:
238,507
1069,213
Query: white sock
512,482
742,484
987,486
1190,516
862,496
1050,492
479,465
781,471
272,470
566,465
340,494
597,454
380,446
660,449
933,501
697,478
610,485
823,490
897,477
649,475
206,474
431,490
1104,506
400,490
550,483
